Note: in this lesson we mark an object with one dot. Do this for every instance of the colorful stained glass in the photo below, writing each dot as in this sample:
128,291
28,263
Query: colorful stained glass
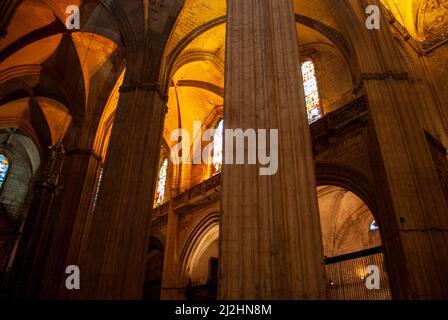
98,187
373,226
4,167
217,147
161,184
312,99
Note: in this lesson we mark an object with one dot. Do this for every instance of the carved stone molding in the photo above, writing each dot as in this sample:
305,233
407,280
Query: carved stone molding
87,152
434,41
198,196
48,178
376,76
385,76
434,27
340,125
138,85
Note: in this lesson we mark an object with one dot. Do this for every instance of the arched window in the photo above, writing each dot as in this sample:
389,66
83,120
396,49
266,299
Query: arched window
98,187
4,167
217,147
373,226
313,107
161,184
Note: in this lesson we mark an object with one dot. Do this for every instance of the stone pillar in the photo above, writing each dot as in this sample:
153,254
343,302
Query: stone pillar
71,210
271,245
414,211
54,226
170,288
113,262
37,233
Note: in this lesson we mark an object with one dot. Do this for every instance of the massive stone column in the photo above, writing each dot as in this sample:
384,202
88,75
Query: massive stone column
113,264
271,245
170,288
112,261
51,228
170,275
32,251
70,210
414,210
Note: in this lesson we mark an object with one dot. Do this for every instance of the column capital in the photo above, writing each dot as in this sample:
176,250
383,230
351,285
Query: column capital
143,86
85,152
402,76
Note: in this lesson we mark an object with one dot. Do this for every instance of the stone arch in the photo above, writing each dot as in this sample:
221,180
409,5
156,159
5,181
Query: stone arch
155,243
196,56
107,118
154,269
24,160
25,126
116,15
339,40
15,85
175,53
350,245
203,234
333,35
345,221
28,115
354,41
202,85
331,173
345,176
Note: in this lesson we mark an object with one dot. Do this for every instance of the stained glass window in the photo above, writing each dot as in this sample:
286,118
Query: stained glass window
312,99
98,187
217,147
373,226
4,167
161,184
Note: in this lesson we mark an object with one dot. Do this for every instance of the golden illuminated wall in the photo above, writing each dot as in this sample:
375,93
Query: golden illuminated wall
405,13
196,91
